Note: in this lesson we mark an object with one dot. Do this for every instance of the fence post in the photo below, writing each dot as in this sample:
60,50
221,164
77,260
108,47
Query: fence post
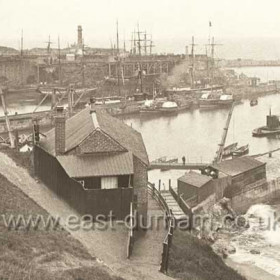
159,183
169,183
153,190
164,258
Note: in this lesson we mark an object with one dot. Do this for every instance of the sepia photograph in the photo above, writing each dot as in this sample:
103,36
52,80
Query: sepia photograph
139,140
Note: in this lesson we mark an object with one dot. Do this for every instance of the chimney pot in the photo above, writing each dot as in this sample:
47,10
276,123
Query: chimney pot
59,109
92,104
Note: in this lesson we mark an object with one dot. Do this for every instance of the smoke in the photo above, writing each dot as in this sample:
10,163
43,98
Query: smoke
179,76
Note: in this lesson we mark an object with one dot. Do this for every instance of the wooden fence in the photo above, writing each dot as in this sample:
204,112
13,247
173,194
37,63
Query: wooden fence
130,240
171,225
167,243
187,209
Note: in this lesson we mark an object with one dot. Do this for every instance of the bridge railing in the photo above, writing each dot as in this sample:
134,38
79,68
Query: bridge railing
187,209
167,243
155,193
170,221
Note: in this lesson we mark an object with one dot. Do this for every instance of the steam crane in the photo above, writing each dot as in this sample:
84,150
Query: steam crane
220,151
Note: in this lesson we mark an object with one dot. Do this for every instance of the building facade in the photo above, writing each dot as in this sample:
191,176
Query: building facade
94,162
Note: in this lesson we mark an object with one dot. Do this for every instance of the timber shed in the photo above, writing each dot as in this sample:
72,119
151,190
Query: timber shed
95,162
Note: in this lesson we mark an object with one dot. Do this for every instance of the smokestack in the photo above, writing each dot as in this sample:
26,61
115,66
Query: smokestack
80,37
60,134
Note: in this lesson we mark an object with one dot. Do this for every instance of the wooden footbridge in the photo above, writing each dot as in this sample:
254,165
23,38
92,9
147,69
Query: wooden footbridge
178,166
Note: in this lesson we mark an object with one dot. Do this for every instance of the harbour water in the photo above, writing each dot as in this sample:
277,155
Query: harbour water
196,134
264,73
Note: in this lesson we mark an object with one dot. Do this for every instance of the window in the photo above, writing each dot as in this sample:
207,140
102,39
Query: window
109,183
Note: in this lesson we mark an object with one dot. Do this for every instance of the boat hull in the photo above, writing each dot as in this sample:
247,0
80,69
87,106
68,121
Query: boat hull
264,132
216,103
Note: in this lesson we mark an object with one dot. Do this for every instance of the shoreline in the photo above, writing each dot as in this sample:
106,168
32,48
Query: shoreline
251,272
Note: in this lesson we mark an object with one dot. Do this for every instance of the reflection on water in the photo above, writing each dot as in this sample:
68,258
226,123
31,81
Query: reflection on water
196,133
25,102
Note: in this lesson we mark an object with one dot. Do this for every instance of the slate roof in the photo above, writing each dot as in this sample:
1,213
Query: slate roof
81,125
237,166
79,166
195,179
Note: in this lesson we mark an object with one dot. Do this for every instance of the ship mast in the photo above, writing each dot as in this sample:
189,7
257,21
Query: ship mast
192,68
118,59
140,64
59,60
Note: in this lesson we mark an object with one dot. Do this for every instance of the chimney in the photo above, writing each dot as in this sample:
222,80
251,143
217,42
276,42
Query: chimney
92,104
80,37
60,123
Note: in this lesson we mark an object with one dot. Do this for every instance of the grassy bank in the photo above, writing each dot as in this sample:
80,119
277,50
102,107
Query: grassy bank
21,159
194,259
40,253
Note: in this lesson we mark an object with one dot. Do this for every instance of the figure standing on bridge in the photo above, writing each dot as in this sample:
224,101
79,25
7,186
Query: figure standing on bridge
184,160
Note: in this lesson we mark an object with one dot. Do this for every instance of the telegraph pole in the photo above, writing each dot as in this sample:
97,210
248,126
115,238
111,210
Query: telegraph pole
7,119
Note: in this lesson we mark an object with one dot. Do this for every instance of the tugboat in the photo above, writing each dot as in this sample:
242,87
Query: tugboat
272,127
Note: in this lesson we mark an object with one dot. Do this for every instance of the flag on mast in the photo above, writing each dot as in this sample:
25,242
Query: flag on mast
210,23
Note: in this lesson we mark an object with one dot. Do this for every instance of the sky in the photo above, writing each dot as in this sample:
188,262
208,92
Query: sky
246,28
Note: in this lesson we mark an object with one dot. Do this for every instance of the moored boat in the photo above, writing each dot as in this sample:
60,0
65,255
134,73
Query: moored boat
228,150
169,107
215,100
271,128
254,102
241,151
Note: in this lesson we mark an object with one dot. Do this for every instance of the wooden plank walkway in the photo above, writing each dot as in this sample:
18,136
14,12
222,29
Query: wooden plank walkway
176,165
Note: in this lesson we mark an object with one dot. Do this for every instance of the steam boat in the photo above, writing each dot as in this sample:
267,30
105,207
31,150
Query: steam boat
215,100
272,127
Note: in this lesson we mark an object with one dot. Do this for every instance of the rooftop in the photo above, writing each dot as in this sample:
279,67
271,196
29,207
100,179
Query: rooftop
236,166
195,179
82,125
99,165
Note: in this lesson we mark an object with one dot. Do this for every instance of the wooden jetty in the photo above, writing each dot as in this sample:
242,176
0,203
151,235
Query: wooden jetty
178,166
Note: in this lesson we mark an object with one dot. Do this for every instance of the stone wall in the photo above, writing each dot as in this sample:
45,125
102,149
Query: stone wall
17,71
259,192
140,182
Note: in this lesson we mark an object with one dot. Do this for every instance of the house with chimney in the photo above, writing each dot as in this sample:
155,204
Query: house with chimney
94,162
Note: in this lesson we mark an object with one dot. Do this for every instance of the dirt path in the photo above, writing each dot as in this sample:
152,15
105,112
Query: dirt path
109,246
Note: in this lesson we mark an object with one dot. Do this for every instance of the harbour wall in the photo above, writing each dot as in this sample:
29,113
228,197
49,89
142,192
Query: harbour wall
17,71
260,192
